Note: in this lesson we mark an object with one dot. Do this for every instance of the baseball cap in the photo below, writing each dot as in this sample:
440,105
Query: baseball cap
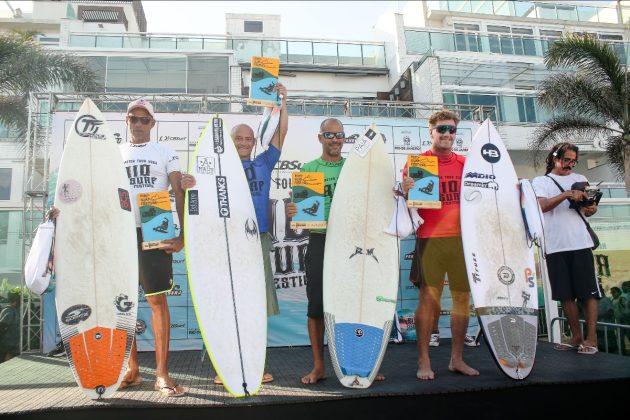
141,103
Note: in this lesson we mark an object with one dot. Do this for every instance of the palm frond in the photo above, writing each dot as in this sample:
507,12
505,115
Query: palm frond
13,113
573,94
614,153
591,58
565,128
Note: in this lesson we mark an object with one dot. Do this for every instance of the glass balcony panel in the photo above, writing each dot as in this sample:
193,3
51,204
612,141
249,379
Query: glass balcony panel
246,48
495,44
189,43
82,41
607,15
459,6
166,43
467,42
442,41
483,7
503,7
350,55
509,109
271,48
134,41
284,52
300,52
566,12
542,115
524,9
325,53
373,55
546,11
217,44
109,42
419,42
625,14
440,5
507,45
448,97
587,14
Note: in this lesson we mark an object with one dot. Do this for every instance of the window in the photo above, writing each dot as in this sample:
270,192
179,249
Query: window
5,183
253,26
146,75
467,41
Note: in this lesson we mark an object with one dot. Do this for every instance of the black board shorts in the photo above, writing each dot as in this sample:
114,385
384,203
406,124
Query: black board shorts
572,275
435,257
155,269
314,270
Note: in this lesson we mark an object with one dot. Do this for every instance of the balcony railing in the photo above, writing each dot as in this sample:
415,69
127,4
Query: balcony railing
421,41
290,51
535,10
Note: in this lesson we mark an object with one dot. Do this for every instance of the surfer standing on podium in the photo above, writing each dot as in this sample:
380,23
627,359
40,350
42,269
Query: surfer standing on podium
439,250
258,173
332,138
152,166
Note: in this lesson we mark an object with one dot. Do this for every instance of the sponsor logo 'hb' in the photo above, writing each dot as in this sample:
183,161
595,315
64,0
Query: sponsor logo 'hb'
490,153
87,126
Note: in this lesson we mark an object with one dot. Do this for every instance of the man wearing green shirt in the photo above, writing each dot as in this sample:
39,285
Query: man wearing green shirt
331,136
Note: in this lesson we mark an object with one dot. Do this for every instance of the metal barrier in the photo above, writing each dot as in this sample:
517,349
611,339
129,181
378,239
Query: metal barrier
618,327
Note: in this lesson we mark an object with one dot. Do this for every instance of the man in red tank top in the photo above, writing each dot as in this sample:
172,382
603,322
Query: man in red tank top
439,250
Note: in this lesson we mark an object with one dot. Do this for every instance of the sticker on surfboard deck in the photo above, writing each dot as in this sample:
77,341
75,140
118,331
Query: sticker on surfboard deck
308,196
263,80
425,193
363,144
70,191
156,218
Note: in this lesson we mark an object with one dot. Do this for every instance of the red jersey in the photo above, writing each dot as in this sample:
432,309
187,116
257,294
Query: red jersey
444,222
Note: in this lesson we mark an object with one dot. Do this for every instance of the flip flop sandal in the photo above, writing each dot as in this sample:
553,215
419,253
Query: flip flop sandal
169,391
565,347
584,349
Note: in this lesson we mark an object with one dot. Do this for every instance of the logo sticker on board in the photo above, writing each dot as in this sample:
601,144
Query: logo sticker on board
490,153
205,165
251,230
122,303
193,202
69,191
505,275
125,202
75,314
88,126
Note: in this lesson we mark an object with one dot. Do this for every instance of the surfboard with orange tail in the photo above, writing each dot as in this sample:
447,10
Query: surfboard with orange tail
96,257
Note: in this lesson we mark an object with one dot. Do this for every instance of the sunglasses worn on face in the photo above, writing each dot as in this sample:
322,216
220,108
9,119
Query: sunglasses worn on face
330,135
444,128
143,120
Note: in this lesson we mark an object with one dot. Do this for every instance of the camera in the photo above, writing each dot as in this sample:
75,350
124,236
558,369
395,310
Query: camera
592,192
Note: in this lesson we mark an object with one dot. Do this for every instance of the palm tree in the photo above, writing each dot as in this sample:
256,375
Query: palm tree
26,67
591,102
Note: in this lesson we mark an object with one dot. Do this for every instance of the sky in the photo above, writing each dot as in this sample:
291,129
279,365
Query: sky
340,20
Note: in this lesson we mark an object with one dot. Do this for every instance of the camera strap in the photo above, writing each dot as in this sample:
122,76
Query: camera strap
578,211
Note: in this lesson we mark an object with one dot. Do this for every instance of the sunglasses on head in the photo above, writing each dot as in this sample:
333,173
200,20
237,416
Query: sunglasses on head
143,120
330,135
444,128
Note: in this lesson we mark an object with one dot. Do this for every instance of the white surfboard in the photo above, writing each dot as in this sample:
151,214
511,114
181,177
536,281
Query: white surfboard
96,257
499,259
225,265
361,264
535,227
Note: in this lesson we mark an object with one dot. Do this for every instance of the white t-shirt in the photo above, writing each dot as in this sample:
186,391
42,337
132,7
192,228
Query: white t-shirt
148,166
564,228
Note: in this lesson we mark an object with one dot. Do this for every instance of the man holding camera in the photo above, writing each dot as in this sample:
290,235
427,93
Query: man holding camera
563,198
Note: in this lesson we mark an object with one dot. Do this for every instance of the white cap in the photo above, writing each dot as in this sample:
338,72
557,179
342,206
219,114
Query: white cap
141,103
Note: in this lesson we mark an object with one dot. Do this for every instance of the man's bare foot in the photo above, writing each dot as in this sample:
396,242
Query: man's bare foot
425,374
379,377
168,387
463,368
130,380
314,376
